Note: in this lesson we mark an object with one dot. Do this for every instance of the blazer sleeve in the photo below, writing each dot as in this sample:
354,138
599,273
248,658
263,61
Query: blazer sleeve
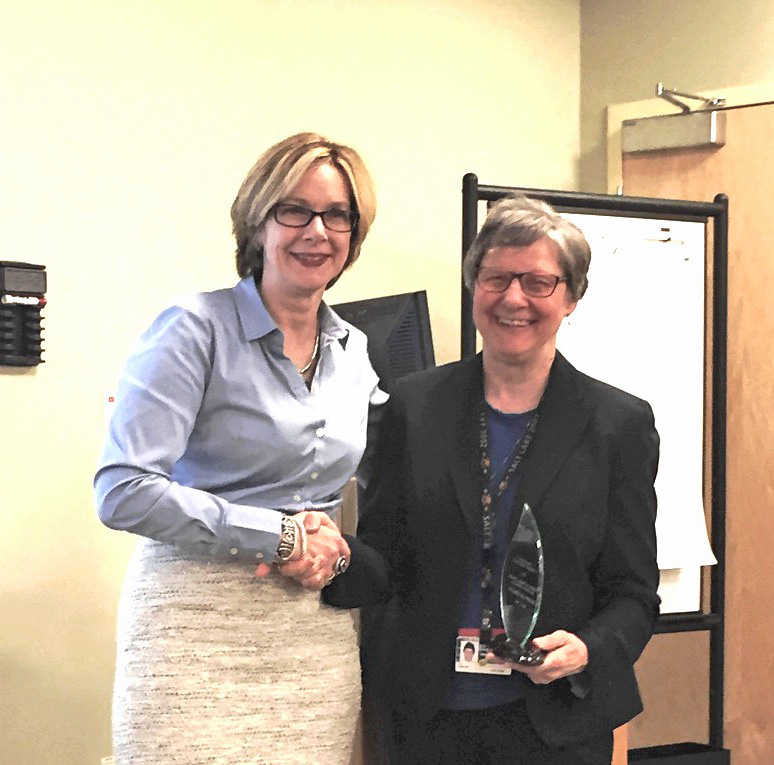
625,576
378,551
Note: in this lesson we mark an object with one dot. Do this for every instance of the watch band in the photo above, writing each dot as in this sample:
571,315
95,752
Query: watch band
287,543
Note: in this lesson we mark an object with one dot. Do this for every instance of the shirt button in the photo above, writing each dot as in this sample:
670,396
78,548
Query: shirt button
315,475
297,497
320,432
234,551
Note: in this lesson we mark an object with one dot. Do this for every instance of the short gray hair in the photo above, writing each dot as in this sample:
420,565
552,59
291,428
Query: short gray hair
519,221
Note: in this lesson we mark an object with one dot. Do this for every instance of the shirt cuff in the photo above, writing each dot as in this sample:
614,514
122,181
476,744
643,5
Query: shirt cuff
252,533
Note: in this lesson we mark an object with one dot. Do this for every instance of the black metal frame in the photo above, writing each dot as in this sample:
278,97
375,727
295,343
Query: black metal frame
566,201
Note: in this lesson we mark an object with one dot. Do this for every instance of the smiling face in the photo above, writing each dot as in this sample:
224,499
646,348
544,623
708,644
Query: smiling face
516,328
301,261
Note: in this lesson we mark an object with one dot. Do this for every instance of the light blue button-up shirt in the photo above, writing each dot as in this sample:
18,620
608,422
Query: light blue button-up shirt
214,429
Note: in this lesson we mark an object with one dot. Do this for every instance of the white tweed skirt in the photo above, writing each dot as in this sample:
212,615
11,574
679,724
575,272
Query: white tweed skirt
217,667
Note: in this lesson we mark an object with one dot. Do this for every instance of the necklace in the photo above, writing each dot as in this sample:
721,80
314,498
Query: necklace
314,354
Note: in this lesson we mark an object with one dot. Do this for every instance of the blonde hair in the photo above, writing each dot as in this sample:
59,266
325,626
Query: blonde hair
274,176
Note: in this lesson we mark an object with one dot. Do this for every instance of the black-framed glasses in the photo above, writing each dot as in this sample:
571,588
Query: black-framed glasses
532,283
298,216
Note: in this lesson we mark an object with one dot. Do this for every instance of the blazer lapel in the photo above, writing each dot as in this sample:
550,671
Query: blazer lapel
564,416
462,407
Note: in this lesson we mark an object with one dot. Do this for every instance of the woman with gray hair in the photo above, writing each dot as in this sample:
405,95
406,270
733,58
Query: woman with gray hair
464,448
238,421
519,221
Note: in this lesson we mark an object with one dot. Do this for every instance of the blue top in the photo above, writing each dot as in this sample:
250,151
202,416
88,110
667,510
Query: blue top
214,430
478,691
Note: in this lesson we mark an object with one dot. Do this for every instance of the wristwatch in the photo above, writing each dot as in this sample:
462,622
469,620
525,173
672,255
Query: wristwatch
287,543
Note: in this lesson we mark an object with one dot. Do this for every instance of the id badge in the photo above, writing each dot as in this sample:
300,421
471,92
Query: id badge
470,653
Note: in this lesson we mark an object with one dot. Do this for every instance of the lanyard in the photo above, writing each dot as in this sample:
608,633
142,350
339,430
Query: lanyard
489,507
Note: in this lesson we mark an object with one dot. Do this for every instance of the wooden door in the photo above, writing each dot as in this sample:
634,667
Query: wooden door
673,670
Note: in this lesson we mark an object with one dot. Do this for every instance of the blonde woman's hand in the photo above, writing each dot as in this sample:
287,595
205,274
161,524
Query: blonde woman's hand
314,519
325,548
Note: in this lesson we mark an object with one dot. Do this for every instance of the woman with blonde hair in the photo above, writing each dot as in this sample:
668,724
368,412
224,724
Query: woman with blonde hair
240,417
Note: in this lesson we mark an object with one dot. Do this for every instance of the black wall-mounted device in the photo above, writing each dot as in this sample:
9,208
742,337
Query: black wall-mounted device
22,297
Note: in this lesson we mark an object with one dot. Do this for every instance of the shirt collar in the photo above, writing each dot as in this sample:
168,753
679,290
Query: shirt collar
257,321
333,326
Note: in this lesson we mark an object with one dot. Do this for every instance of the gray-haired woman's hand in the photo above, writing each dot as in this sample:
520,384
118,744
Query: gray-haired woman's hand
566,655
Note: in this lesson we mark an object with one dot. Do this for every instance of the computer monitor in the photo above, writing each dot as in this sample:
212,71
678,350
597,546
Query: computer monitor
398,331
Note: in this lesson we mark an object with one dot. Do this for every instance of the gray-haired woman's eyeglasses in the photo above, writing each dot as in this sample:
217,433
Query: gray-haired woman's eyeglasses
532,283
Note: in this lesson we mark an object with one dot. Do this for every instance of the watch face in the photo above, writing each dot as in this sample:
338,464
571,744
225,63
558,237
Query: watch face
23,280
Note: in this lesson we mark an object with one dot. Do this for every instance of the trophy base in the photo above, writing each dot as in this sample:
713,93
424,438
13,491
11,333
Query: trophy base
529,656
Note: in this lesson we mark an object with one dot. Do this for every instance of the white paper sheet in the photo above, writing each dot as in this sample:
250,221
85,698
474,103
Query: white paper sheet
640,327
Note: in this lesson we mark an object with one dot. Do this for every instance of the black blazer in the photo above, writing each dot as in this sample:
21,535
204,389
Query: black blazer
588,477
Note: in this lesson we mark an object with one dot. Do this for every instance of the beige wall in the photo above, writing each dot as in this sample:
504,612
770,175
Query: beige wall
690,45
126,128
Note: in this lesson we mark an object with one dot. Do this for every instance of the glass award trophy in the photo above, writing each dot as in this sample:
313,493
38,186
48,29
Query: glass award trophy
521,592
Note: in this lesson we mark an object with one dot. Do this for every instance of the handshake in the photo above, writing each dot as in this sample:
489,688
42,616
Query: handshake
315,552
